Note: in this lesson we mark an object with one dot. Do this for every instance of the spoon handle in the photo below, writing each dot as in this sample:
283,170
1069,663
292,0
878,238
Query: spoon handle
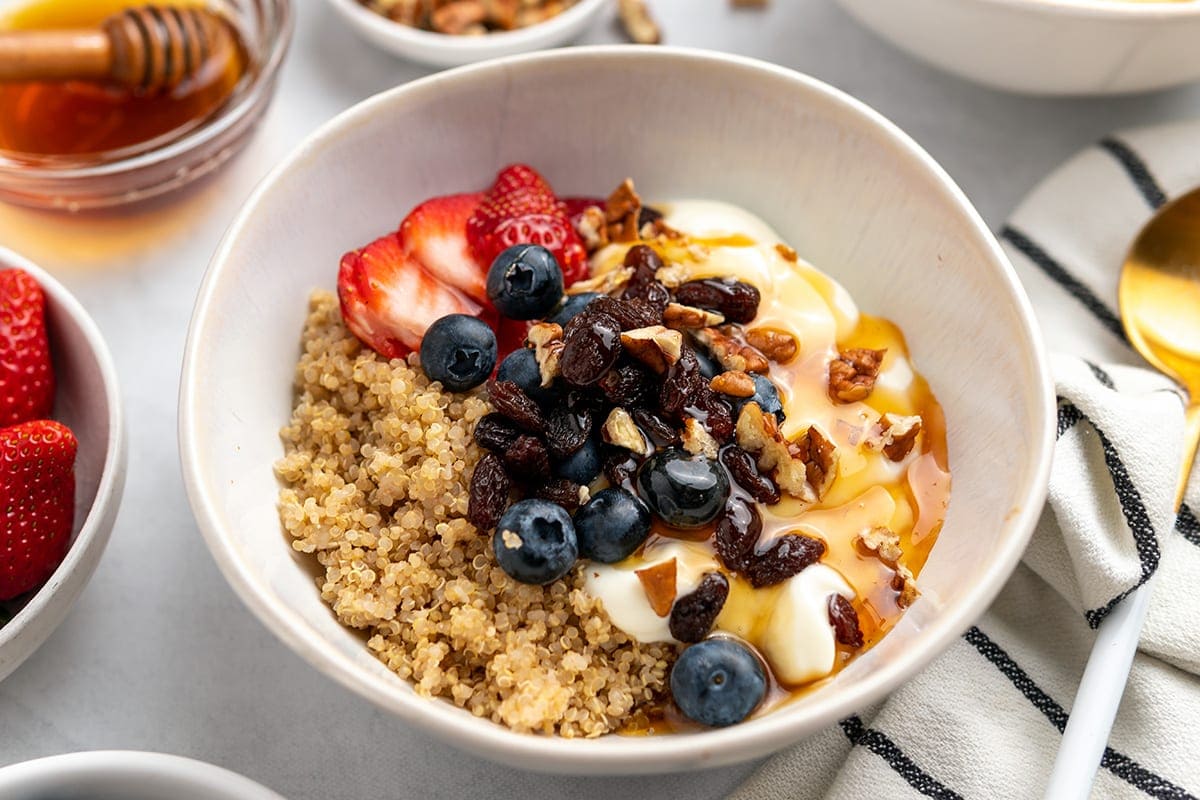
1191,442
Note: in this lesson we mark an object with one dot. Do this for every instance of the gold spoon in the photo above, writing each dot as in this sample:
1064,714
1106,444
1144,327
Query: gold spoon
1159,295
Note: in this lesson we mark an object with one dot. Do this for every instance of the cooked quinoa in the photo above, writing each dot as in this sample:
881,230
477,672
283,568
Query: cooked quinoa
377,473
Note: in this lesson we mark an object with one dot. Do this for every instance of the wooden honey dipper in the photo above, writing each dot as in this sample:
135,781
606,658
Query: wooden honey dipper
148,49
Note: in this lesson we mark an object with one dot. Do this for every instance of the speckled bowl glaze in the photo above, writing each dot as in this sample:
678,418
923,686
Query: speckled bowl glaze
125,775
1049,47
87,401
849,190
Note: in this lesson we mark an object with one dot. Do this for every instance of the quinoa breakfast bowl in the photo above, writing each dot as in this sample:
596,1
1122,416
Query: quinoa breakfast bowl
703,507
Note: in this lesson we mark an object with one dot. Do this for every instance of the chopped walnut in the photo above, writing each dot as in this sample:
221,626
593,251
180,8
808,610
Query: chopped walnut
457,17
697,440
820,458
778,346
885,544
733,383
592,228
658,582
547,341
786,253
639,25
897,436
656,346
673,276
729,352
620,430
852,374
681,317
621,212
759,433
606,283
906,585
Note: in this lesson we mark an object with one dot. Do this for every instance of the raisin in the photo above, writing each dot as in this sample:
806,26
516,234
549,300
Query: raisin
591,345
512,402
786,556
657,428
528,460
681,385
694,614
642,284
714,413
489,493
737,533
653,294
628,385
620,468
735,300
495,432
561,491
629,314
742,467
567,430
844,620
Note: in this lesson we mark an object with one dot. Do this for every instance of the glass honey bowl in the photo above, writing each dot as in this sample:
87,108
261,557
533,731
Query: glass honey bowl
128,148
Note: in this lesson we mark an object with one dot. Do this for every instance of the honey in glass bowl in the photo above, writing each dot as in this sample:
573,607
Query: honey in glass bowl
79,118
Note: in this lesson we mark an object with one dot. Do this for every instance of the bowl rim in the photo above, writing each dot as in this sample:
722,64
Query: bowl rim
60,168
93,532
470,46
134,764
613,754
1101,9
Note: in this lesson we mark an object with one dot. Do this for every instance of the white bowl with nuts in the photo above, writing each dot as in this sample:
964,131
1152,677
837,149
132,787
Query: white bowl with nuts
466,31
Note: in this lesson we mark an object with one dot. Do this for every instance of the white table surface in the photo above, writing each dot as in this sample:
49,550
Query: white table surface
159,654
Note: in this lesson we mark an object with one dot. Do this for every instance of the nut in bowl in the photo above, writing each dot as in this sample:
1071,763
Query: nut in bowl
571,552
62,455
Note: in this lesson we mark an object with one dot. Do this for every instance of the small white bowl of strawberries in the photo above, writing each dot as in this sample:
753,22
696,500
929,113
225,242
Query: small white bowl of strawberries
62,454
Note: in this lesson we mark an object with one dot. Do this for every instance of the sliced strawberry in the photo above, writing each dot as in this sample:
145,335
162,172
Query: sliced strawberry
388,299
521,208
435,234
26,376
37,503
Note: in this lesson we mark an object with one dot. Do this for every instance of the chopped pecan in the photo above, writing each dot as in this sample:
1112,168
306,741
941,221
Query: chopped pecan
592,228
759,433
852,374
456,17
621,213
658,582
778,346
656,346
820,458
620,430
885,544
681,317
605,283
639,25
734,383
673,276
729,352
897,436
697,440
547,341
906,586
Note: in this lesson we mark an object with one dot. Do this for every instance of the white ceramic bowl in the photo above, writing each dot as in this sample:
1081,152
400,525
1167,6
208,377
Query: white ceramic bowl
849,190
1056,47
124,775
88,402
443,50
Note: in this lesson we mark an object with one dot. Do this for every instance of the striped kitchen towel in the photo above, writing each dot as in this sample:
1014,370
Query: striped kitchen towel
985,720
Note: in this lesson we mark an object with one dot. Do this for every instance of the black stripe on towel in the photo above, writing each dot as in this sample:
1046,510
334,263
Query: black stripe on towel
1187,524
1101,376
1139,173
881,745
1118,764
1131,506
1057,273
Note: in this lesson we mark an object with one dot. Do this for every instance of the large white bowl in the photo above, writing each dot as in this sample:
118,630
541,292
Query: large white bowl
1059,47
846,187
88,402
443,50
125,775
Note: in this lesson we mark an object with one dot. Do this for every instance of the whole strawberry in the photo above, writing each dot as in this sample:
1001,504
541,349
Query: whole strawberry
37,503
26,377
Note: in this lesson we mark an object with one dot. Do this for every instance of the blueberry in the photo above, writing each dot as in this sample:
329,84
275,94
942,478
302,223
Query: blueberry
709,367
611,526
535,542
584,464
718,682
684,491
766,395
459,351
571,306
525,282
520,367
